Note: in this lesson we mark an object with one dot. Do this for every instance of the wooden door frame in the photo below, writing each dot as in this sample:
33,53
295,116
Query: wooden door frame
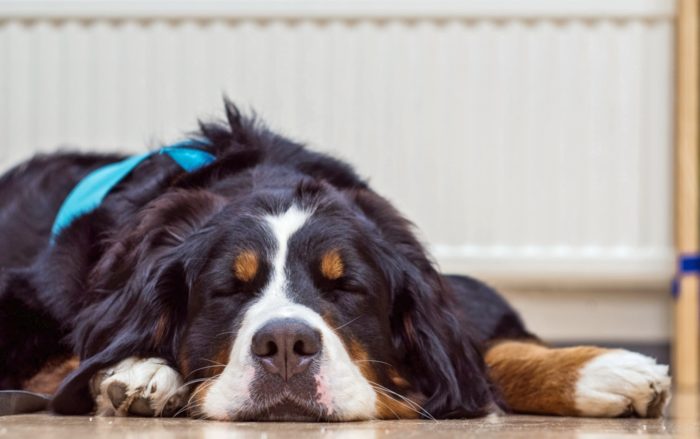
686,345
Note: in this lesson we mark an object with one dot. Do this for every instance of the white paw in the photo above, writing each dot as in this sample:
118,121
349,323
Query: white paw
143,387
622,383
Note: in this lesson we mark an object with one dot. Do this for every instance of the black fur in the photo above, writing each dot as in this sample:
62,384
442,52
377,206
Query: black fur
160,246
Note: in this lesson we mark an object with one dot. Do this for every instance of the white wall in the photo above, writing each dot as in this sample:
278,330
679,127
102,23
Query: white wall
529,140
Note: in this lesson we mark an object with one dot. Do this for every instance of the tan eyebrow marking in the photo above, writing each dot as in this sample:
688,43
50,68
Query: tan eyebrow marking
332,266
245,267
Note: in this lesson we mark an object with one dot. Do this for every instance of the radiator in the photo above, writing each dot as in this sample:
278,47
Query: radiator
530,140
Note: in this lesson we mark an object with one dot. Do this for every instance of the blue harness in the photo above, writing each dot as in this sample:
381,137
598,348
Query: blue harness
89,194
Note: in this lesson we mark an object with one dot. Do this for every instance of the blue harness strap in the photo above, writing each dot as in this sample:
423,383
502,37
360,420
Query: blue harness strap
89,194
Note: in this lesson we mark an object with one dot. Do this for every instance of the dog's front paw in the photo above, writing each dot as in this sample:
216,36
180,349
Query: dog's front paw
136,386
622,383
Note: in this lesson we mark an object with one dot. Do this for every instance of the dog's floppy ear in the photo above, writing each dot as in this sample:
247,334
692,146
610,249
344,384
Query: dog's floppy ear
441,360
141,290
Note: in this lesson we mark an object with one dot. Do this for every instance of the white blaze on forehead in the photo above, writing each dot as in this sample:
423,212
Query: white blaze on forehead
345,392
283,228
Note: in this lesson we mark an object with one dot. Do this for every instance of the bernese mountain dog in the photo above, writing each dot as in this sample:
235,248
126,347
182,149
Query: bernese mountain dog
270,283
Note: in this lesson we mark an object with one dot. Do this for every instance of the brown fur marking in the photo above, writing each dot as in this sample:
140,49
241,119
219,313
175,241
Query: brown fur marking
399,381
220,361
388,407
537,379
332,266
183,360
211,371
160,330
246,265
51,376
198,396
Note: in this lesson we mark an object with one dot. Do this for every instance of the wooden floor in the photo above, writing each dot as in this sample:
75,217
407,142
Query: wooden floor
681,423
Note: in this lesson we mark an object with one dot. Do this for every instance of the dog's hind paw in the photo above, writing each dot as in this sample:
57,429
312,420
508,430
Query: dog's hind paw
623,383
140,387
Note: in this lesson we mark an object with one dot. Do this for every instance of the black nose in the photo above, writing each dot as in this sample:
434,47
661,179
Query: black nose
286,347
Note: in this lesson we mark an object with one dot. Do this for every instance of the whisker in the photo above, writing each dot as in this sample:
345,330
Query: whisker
373,361
190,404
188,383
414,406
198,380
215,362
408,402
174,235
206,367
403,403
347,323
186,408
205,384
389,408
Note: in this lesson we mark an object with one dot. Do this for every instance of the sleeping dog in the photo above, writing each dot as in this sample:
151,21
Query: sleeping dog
241,276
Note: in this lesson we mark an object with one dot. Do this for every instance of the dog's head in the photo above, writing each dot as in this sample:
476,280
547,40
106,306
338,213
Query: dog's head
282,296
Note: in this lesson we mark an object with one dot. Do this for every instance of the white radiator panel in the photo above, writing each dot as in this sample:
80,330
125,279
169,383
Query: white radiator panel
528,141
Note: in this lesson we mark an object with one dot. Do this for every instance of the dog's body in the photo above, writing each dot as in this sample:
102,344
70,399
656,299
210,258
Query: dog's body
282,287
